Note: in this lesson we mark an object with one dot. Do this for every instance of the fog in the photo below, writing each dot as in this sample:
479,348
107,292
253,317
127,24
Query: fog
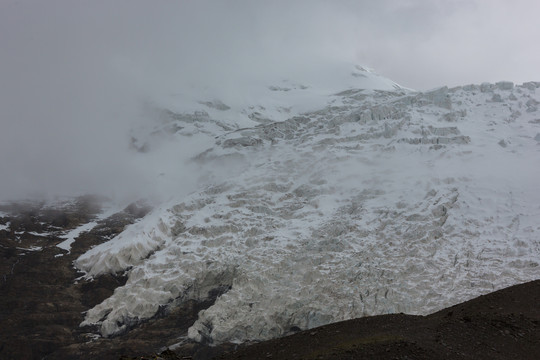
75,75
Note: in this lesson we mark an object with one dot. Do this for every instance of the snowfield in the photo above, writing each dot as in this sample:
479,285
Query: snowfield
360,200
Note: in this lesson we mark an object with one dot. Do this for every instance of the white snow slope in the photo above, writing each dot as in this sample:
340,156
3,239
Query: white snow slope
381,200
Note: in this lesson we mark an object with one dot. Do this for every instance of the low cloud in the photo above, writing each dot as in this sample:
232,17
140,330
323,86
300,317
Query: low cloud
74,74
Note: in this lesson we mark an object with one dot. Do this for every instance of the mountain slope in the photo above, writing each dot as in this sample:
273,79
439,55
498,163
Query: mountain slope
382,200
500,325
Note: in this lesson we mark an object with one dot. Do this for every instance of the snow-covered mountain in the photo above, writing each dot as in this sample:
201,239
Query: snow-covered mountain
335,195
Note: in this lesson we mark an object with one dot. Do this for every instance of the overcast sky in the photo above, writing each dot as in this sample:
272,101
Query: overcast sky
73,72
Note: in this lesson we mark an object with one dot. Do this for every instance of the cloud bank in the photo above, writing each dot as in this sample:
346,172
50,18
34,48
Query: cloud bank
73,74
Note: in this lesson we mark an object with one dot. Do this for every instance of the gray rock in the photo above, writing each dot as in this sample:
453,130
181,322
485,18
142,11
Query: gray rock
496,98
486,87
505,85
532,105
440,97
531,85
471,87
242,141
216,104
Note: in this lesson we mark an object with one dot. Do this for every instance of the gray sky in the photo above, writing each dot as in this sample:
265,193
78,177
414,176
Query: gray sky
73,72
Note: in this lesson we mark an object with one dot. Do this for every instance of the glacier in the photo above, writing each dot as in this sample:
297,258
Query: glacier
320,201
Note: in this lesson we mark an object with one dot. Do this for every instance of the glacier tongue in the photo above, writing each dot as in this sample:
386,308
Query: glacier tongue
383,201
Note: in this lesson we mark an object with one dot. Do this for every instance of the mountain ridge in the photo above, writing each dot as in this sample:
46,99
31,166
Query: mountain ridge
361,204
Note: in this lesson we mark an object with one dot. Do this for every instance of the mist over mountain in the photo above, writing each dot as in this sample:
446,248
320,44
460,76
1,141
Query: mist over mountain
76,77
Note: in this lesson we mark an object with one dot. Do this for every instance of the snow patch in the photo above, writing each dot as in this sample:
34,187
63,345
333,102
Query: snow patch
31,248
72,235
